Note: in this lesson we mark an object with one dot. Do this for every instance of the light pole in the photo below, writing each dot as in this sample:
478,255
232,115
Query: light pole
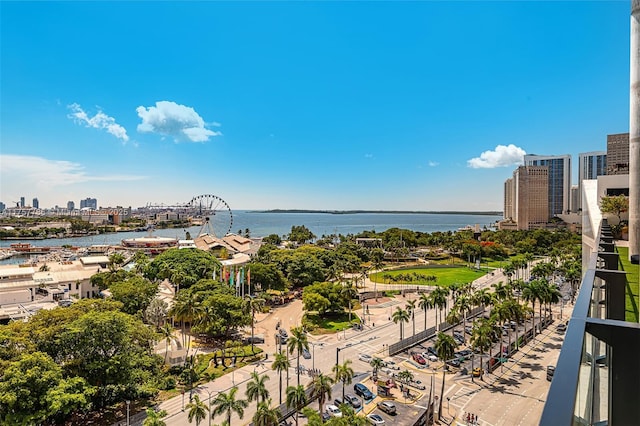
128,403
313,353
210,394
338,355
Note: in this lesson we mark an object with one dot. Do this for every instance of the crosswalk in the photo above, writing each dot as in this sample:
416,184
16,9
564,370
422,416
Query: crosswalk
462,397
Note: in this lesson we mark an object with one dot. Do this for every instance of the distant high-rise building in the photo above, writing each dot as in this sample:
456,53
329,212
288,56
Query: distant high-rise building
509,212
590,166
2,206
530,195
559,177
71,205
21,202
574,205
35,204
618,154
91,203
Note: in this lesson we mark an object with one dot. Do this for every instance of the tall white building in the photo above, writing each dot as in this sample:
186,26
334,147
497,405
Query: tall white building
590,166
559,180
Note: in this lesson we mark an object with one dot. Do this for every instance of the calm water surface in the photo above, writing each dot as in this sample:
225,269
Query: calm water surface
263,224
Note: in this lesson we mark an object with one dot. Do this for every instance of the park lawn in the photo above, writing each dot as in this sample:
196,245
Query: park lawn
445,276
329,323
633,287
244,356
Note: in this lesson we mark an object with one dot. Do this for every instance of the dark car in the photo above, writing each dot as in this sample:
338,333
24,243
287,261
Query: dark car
432,351
353,400
550,371
453,363
306,354
363,391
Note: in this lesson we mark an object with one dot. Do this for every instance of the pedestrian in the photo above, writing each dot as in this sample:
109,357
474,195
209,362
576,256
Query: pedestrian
373,324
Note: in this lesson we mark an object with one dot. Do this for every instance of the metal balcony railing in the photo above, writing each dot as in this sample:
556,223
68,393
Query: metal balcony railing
597,378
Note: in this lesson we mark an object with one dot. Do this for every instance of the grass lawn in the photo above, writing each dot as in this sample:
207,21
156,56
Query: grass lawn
445,276
329,323
633,287
204,362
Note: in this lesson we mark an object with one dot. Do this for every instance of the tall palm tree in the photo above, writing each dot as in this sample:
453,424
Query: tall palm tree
481,338
376,363
280,364
377,258
255,304
256,388
266,416
197,410
185,309
343,373
321,388
445,347
297,398
411,309
349,293
400,316
166,331
405,376
226,403
425,303
297,343
502,291
532,293
463,304
439,299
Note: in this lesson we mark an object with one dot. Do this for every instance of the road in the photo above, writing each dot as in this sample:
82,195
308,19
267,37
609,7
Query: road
378,333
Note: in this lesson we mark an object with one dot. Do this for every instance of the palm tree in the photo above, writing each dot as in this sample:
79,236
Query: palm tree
256,388
255,305
463,304
377,258
296,398
481,335
531,293
439,299
482,298
227,403
377,364
321,388
280,364
411,308
445,347
349,417
405,376
343,373
154,418
425,303
186,309
297,342
197,410
400,316
166,331
501,290
313,417
266,416
349,293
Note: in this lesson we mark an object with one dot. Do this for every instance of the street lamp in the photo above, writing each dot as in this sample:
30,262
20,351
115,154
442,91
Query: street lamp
338,355
210,394
128,403
313,353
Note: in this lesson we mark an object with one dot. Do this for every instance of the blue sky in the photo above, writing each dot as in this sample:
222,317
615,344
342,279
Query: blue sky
333,105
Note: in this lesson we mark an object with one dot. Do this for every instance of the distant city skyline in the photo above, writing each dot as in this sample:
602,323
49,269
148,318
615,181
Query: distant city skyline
423,106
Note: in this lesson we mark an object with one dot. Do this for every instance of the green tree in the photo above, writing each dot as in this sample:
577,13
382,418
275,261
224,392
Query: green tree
280,364
32,391
400,316
154,418
266,416
195,265
296,398
272,239
424,303
439,300
301,234
615,204
115,261
411,308
376,363
297,342
197,410
257,388
156,312
343,373
226,403
136,293
445,347
255,304
321,389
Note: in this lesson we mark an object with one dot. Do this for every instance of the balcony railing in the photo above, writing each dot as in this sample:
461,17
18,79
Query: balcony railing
597,378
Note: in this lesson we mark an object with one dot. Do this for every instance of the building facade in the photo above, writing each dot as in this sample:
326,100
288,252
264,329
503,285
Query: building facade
618,154
530,195
509,192
559,178
36,203
90,203
71,205
590,166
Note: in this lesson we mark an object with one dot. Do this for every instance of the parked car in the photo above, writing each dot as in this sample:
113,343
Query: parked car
453,363
392,365
550,372
333,411
375,419
283,332
365,357
466,353
430,357
561,328
325,416
477,372
419,359
65,303
306,354
353,400
387,406
432,351
468,329
363,391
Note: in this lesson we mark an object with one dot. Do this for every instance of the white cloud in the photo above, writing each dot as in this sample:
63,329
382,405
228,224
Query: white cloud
178,121
98,121
502,156
433,164
29,171
368,156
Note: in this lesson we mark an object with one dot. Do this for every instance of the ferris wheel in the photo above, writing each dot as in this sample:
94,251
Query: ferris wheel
215,212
